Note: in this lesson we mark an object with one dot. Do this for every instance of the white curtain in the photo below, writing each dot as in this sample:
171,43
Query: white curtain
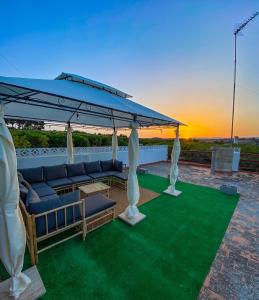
114,145
174,171
12,230
70,147
133,187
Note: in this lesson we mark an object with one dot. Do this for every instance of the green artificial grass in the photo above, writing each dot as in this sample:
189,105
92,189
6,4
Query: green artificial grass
167,256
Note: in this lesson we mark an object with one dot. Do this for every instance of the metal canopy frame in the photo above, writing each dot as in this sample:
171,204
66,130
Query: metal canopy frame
29,97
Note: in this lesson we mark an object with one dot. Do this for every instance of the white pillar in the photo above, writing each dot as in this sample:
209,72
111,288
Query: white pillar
70,147
174,171
12,230
114,145
132,215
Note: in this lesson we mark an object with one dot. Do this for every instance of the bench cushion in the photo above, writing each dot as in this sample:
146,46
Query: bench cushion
98,175
97,203
55,172
75,169
42,189
82,178
92,167
106,165
123,176
59,182
32,175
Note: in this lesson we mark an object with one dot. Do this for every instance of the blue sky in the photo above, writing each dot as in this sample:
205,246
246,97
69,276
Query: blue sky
174,56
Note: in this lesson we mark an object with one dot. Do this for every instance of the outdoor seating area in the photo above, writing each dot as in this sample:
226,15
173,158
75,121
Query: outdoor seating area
51,202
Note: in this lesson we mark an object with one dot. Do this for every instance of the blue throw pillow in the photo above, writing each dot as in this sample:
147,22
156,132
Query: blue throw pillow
93,167
107,165
55,172
31,198
118,166
75,170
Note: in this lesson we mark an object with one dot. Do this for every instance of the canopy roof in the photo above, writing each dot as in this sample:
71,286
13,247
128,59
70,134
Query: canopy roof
75,99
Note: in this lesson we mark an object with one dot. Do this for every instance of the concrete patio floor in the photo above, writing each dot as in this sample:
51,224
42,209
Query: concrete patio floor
234,273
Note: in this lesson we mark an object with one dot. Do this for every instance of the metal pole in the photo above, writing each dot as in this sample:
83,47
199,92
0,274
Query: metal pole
234,90
239,29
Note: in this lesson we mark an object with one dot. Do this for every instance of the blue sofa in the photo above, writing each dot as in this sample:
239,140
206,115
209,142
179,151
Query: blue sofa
67,176
48,212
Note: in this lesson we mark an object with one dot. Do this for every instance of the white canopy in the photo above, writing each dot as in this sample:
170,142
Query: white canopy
75,99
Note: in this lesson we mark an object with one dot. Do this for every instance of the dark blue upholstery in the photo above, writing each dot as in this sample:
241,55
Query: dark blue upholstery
98,175
59,182
32,175
111,173
23,191
31,198
97,203
78,179
106,165
122,176
42,189
55,172
118,166
52,203
92,167
49,197
75,170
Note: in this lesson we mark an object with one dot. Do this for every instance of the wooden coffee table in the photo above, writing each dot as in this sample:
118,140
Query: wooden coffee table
94,188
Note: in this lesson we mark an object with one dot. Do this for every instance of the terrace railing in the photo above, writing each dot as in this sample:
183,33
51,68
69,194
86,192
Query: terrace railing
34,157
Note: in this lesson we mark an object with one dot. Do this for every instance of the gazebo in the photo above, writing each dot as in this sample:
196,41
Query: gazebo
68,99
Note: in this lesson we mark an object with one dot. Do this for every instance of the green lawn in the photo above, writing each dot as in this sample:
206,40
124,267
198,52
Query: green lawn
167,256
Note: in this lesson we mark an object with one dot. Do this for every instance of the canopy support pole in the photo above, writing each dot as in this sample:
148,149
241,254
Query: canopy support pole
174,170
70,147
132,215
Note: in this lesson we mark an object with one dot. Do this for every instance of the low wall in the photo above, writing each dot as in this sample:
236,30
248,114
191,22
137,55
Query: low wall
35,157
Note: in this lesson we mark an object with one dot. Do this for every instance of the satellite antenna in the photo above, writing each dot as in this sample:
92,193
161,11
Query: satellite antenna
238,31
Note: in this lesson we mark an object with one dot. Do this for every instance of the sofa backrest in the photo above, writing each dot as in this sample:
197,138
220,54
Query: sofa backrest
92,167
55,172
107,165
75,169
32,175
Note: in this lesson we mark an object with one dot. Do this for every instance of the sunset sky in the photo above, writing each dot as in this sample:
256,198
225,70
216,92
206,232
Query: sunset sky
173,56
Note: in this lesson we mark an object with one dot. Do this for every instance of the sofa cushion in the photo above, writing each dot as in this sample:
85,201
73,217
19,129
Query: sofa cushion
32,175
59,182
55,172
118,166
82,178
75,170
107,165
123,176
97,203
92,167
23,191
49,197
42,189
52,203
31,198
98,175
